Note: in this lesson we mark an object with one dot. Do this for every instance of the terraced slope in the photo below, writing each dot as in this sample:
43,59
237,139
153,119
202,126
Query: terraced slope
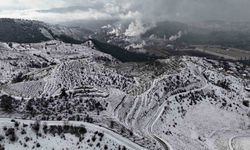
177,103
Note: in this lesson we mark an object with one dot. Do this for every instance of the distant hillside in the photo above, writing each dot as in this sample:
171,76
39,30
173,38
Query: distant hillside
22,31
224,38
122,54
166,28
29,31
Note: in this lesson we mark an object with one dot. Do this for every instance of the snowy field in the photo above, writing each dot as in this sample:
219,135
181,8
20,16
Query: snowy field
176,103
52,135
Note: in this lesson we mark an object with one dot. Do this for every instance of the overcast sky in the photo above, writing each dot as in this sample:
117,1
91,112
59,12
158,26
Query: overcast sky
150,10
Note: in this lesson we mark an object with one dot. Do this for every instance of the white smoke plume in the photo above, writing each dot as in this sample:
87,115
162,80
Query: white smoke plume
176,37
135,28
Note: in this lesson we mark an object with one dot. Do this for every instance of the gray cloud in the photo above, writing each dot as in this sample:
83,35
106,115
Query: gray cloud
189,10
71,9
142,10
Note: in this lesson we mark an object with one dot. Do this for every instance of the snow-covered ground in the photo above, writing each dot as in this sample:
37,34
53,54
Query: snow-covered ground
94,137
240,143
177,103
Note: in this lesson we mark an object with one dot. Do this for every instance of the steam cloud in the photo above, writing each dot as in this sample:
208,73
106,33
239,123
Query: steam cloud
151,12
175,37
136,28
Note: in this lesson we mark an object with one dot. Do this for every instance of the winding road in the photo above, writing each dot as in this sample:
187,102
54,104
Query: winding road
112,135
159,112
230,144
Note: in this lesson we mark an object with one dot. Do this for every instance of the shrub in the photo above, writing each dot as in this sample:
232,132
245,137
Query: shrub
224,84
45,128
2,138
112,123
10,45
23,132
5,128
246,103
11,134
100,134
131,133
19,78
82,130
2,147
36,126
24,125
66,127
93,138
63,93
16,124
38,145
26,139
29,106
6,103
98,145
59,130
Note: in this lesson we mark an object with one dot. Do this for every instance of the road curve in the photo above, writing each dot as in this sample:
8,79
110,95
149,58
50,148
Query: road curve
230,145
126,142
154,119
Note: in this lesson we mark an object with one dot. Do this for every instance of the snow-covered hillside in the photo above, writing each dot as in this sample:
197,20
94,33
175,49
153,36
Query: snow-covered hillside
176,103
31,31
27,134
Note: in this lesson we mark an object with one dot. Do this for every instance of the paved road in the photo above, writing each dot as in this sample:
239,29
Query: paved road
154,119
114,136
231,147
